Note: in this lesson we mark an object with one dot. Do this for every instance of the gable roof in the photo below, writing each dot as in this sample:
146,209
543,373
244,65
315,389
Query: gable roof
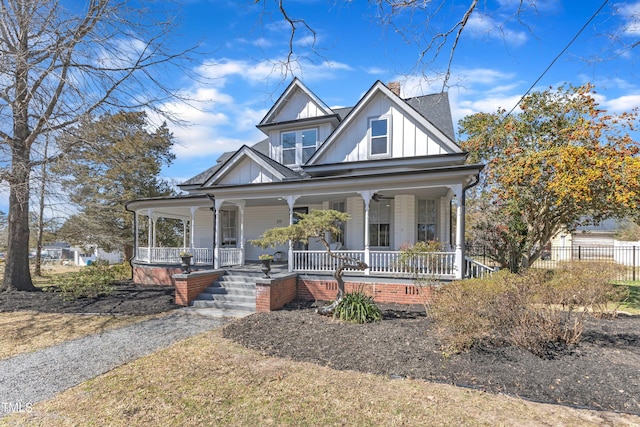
296,84
415,108
280,171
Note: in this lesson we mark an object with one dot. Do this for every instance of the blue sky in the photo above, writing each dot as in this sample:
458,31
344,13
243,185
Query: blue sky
498,58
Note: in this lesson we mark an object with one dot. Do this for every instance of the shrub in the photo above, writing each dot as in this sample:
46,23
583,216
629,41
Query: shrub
420,257
357,307
92,281
530,310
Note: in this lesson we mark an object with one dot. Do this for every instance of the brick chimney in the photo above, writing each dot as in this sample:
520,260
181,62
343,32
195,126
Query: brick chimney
394,87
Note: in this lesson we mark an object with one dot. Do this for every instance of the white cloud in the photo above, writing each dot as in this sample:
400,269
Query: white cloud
631,15
375,71
624,103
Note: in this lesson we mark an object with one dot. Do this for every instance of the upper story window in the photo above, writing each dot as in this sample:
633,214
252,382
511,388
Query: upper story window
298,146
379,136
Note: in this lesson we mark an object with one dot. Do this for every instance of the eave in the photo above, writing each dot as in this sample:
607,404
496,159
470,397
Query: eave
386,165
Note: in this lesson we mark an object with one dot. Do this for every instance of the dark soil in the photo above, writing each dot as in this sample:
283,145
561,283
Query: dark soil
128,299
601,372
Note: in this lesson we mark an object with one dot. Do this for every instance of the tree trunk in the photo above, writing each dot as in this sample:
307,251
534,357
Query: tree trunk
354,264
16,272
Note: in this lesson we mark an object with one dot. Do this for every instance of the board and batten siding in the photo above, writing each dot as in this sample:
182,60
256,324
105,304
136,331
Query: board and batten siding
259,219
247,172
203,230
408,137
404,226
298,106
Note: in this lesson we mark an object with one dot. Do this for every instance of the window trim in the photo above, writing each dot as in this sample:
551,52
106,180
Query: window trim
370,136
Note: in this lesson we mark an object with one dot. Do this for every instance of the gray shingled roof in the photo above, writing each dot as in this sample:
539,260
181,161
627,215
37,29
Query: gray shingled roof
437,110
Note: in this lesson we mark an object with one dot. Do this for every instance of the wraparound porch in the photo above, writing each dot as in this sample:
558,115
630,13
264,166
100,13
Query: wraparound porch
439,265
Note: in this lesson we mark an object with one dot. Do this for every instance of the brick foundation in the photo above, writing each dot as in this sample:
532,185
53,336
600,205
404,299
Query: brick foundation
273,294
189,286
327,289
154,274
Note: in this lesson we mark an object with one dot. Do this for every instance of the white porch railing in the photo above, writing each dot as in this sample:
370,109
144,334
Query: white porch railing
172,255
230,256
321,261
477,269
440,264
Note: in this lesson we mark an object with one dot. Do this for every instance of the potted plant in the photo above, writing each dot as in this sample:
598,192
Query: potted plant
265,259
186,261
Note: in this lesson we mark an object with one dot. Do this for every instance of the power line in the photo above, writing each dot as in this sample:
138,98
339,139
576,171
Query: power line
558,56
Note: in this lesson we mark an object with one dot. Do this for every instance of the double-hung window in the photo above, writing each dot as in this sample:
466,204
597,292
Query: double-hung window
380,223
379,136
298,146
426,220
228,226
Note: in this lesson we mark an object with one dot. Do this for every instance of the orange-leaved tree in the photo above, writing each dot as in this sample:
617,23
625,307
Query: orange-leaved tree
562,160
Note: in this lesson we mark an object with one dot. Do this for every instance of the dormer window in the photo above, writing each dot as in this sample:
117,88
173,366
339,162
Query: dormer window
298,146
379,136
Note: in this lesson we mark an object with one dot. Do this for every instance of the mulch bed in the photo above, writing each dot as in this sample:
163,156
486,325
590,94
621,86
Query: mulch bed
128,299
601,372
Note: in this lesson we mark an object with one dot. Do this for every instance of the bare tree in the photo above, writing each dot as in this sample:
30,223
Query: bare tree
61,61
436,27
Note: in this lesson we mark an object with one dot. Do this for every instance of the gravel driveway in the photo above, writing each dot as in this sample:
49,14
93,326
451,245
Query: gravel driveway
32,377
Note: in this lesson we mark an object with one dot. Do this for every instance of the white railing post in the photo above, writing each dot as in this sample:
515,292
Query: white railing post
366,196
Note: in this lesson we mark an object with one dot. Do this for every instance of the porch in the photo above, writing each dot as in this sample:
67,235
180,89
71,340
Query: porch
387,263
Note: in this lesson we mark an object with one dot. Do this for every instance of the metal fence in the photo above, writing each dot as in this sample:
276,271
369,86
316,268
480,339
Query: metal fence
627,256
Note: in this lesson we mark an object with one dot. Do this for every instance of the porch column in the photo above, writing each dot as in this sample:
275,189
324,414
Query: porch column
155,224
366,196
184,234
135,236
241,206
216,242
149,228
291,201
192,228
460,208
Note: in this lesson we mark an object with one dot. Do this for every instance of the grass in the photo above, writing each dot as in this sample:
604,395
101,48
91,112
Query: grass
208,380
22,332
632,303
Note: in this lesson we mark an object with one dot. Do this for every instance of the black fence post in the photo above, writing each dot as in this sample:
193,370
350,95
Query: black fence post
634,263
